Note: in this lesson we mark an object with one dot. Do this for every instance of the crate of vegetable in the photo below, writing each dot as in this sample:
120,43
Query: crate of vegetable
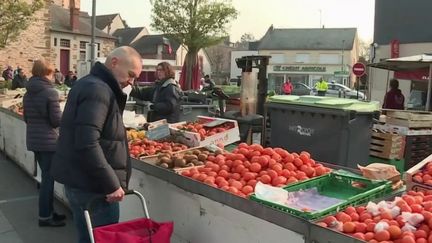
419,177
181,161
143,148
406,219
238,172
206,131
339,189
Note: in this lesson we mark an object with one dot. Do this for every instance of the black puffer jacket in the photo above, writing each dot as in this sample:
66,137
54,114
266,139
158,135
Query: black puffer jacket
92,153
165,96
42,114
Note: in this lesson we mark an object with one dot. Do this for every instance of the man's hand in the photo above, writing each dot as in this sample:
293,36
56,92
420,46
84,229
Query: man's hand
116,196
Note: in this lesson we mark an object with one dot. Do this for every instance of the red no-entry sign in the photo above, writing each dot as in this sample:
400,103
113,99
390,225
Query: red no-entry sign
359,69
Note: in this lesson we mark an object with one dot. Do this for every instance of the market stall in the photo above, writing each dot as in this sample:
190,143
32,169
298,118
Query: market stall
410,63
178,179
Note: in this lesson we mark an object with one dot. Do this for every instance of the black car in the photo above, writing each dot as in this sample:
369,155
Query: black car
301,89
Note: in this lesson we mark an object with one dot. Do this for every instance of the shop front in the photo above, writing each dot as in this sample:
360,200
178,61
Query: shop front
305,74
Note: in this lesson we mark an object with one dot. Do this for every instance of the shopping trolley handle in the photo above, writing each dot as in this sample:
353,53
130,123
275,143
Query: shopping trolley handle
90,203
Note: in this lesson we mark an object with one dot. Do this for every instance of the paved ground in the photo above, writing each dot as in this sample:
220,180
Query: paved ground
19,210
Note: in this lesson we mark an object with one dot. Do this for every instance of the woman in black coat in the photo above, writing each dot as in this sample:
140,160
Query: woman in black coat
42,115
164,96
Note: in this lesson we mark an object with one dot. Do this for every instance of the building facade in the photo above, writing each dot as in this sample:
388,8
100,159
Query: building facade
394,36
307,55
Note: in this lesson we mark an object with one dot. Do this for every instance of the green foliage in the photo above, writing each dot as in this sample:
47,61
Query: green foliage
15,16
196,24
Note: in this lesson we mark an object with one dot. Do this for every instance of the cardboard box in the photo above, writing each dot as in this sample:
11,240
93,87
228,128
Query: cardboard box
410,183
194,139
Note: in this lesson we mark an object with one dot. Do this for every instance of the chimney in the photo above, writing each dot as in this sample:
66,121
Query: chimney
74,7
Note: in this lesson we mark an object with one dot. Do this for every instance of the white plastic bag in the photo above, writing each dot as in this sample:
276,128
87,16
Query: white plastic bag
270,193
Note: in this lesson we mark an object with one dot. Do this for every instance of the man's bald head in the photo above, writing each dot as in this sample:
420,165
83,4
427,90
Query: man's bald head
125,64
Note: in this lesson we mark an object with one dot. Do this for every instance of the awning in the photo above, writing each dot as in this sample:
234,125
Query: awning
417,67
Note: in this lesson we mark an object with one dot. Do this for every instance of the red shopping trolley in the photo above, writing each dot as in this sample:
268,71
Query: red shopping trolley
142,230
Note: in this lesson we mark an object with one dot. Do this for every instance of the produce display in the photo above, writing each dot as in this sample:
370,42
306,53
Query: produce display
17,108
196,157
239,171
424,176
406,219
145,147
133,134
200,128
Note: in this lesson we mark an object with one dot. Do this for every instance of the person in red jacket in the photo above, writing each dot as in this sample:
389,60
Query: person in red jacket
394,99
287,87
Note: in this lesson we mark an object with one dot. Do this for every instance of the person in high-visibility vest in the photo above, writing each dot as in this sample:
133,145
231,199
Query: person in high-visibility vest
322,87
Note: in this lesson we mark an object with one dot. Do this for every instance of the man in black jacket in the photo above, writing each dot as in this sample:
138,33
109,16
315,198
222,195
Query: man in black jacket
92,154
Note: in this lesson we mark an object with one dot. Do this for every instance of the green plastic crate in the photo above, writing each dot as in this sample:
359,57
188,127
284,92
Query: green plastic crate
336,185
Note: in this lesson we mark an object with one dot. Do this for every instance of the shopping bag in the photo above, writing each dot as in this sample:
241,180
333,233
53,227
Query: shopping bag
135,231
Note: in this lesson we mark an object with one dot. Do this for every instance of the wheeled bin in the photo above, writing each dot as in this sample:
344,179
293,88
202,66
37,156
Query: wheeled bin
333,130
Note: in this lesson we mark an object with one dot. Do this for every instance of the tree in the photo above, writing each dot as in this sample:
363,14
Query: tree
364,50
195,24
15,16
245,39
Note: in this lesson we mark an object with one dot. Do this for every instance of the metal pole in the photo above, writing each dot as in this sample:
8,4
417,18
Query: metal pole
388,76
343,54
93,35
428,100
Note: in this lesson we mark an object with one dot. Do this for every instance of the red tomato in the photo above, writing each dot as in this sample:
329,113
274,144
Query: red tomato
255,167
223,173
247,190
289,158
273,174
235,176
279,180
248,176
266,179
252,183
298,162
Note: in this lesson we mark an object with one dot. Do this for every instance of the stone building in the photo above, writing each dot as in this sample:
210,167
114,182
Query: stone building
60,34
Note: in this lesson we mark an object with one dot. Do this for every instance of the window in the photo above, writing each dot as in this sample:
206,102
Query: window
277,58
64,43
55,41
302,58
82,56
83,45
329,59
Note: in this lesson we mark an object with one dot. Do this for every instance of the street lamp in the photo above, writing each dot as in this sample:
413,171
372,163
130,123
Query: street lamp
93,35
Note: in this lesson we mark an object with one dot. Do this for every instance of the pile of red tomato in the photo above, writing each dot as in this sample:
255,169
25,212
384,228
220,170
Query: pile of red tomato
146,147
424,176
239,171
198,127
361,222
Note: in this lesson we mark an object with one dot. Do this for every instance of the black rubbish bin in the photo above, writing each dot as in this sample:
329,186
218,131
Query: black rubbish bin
335,135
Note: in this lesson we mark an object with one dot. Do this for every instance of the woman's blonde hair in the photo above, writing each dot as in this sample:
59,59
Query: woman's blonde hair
42,68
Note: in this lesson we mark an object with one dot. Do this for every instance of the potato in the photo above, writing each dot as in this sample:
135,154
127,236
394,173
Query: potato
200,163
202,157
164,165
196,152
189,158
195,161
165,160
190,165
179,162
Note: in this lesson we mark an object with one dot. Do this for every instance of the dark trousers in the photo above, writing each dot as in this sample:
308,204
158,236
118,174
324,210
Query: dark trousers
46,191
101,213
322,92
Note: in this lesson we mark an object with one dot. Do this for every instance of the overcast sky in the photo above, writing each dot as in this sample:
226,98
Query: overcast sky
255,16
